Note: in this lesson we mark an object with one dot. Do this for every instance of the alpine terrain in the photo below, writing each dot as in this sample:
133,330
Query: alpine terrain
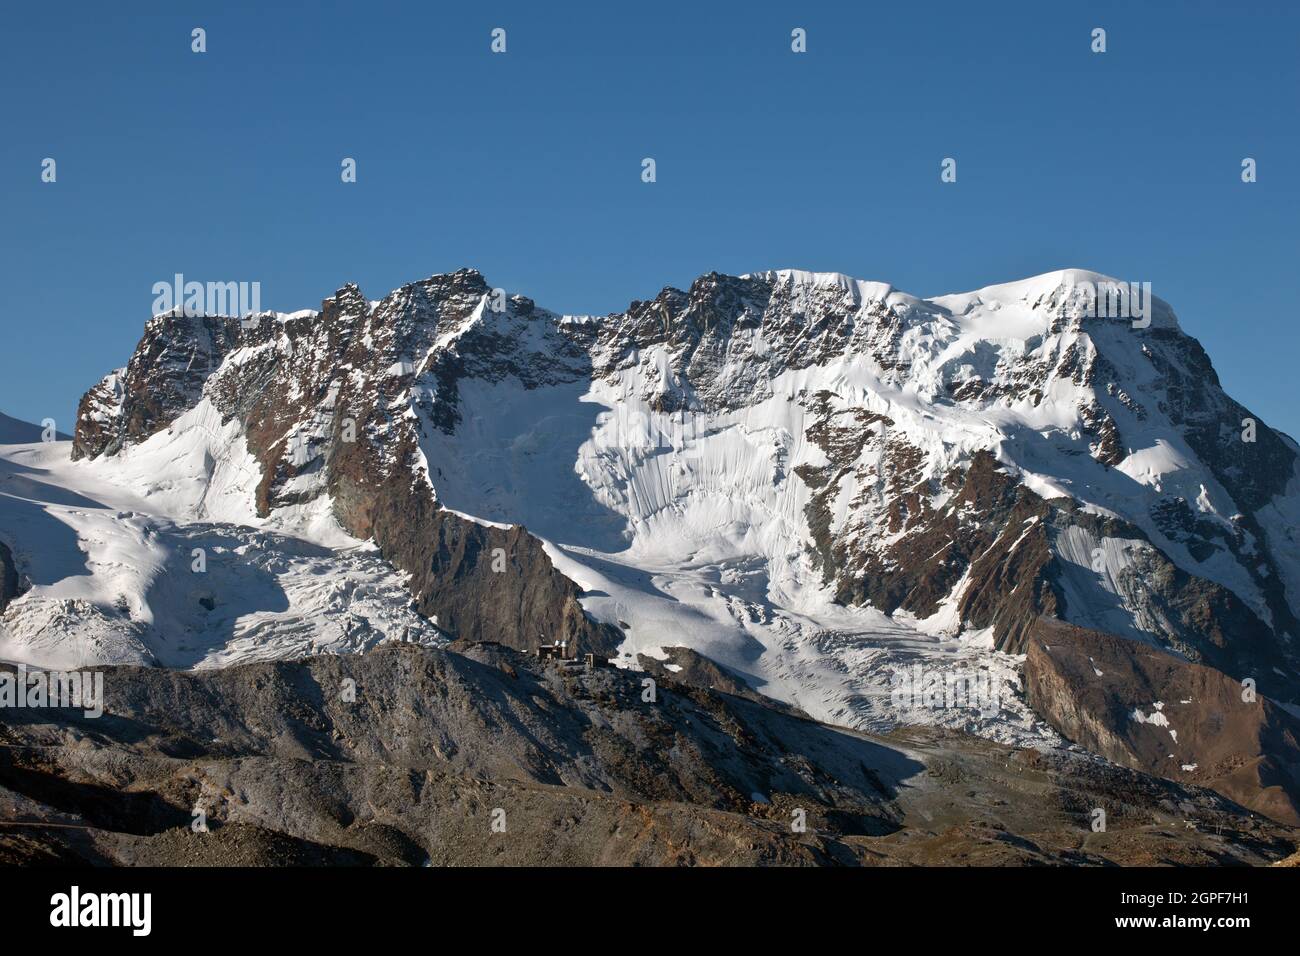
856,538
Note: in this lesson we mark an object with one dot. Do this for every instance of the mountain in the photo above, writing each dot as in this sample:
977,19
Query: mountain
812,482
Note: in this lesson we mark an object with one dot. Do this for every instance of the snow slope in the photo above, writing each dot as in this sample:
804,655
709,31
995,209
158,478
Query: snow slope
667,484
685,531
109,551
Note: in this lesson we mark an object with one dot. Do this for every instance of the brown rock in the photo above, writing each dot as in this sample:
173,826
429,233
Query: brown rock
1102,693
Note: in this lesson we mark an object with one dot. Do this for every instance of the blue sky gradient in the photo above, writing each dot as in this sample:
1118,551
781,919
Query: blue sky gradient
225,166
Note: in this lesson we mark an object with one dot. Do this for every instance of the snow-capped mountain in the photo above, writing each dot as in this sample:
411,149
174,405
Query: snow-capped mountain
809,479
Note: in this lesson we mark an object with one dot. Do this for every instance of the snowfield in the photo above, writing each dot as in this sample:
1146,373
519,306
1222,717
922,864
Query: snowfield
689,530
113,583
113,567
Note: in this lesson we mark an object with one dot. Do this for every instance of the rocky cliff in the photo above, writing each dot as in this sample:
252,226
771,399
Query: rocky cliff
1143,708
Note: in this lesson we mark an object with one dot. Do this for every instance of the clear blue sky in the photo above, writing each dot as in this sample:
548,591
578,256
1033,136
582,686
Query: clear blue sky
225,165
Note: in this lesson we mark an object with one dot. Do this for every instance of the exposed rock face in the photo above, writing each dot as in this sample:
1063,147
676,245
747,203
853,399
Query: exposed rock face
10,582
326,404
685,666
990,539
1144,708
988,458
479,755
164,378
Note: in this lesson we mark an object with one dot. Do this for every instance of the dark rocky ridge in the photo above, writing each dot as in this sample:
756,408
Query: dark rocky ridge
289,771
10,580
681,665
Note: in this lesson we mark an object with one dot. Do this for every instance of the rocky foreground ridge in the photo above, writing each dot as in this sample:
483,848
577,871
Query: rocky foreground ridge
476,754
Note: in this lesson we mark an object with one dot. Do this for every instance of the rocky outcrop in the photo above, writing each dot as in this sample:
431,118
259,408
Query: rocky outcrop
478,755
164,378
480,582
988,545
10,580
994,549
1144,708
681,665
